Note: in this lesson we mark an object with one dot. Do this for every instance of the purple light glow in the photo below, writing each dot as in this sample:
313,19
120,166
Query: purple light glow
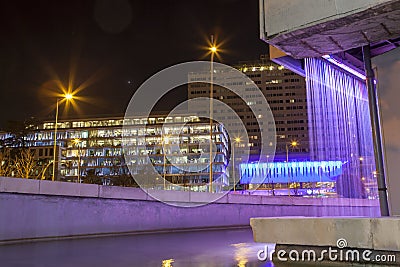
339,123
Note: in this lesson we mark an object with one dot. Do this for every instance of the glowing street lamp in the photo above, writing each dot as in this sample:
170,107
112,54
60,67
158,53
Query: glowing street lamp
213,51
66,97
292,144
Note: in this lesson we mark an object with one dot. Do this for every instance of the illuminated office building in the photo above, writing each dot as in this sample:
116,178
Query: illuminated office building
95,146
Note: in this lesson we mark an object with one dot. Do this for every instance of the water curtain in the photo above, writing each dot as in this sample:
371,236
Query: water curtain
339,126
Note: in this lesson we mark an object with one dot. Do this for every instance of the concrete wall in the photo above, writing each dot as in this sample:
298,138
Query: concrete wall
393,180
40,209
313,28
279,16
369,233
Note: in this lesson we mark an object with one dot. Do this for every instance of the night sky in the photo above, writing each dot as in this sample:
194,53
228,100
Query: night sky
111,47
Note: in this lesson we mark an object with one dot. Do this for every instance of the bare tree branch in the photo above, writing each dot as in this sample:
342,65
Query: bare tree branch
6,165
25,164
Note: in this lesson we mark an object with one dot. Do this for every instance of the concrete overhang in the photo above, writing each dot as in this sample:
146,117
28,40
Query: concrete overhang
314,28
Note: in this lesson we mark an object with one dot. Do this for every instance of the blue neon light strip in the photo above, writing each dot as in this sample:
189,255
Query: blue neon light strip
282,172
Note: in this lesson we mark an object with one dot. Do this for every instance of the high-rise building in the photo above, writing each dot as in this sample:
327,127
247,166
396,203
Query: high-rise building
286,94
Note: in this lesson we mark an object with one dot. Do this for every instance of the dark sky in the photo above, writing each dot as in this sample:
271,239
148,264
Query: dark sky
111,45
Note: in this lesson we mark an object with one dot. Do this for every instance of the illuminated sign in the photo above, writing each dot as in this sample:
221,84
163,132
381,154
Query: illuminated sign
282,172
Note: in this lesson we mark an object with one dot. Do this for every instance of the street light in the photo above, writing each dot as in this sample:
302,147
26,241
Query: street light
69,96
165,141
213,50
77,142
291,144
236,141
320,170
66,97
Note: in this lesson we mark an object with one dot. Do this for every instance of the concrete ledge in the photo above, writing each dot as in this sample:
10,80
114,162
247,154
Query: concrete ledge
367,233
169,196
386,233
40,187
249,199
205,197
56,209
68,189
2,184
122,193
19,185
275,200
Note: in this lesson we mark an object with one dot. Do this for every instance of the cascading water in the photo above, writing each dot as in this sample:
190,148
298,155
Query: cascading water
339,126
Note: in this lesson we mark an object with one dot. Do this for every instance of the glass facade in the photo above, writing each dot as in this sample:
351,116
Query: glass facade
95,146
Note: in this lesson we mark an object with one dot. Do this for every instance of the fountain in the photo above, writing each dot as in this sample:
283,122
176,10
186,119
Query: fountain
339,125
332,47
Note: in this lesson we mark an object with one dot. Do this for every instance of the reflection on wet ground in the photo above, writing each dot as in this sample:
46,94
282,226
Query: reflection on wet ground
185,249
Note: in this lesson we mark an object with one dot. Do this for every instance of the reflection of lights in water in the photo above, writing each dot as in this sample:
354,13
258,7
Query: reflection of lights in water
167,263
246,253
242,252
241,263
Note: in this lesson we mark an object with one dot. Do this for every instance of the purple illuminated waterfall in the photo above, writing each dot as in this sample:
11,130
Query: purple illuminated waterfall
339,126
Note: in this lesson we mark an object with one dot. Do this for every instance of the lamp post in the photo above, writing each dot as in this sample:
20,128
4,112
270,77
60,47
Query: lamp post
67,97
77,142
213,50
320,170
291,144
165,141
237,140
